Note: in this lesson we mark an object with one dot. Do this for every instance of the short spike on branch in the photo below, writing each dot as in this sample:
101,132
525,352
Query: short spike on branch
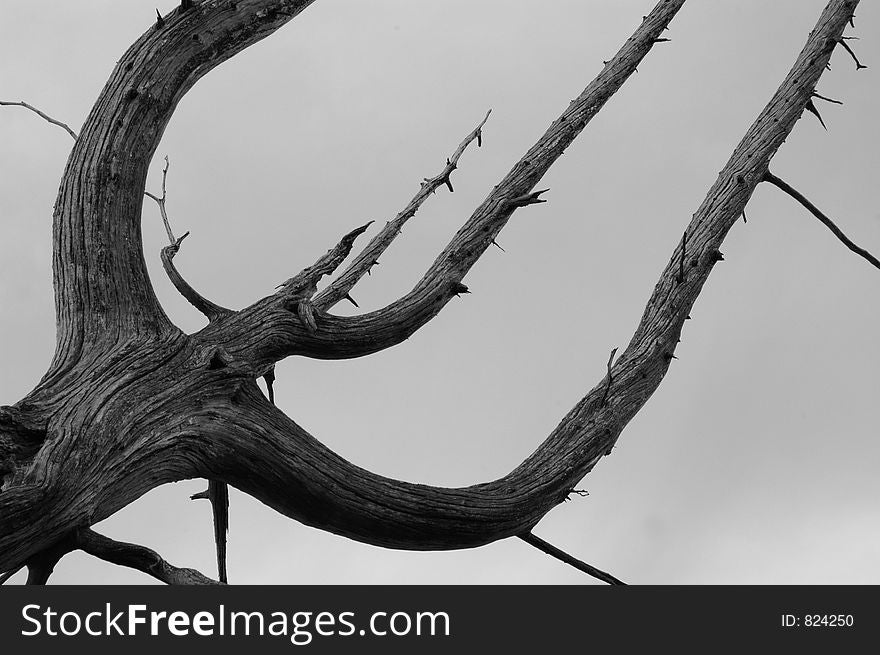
608,378
811,107
831,100
532,198
269,379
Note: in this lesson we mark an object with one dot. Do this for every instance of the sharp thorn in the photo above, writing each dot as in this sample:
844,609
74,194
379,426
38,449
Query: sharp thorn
458,288
811,107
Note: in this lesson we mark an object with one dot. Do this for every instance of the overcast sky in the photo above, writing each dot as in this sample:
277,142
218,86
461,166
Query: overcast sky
755,462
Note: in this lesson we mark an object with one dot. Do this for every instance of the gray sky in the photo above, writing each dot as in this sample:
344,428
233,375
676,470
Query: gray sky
755,462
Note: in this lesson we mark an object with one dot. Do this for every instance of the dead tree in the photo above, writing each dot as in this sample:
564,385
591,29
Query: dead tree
130,402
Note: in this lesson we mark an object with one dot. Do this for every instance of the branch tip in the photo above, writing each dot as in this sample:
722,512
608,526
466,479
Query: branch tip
831,100
44,116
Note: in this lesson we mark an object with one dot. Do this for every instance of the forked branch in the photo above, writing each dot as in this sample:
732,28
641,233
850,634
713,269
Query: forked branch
273,455
356,336
161,202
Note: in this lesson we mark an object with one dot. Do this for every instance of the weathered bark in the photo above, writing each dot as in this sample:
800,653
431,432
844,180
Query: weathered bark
130,402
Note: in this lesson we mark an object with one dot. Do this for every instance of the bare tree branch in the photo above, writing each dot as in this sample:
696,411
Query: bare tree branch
279,463
344,337
161,202
168,406
64,126
562,556
341,287
138,557
211,310
102,288
781,184
305,283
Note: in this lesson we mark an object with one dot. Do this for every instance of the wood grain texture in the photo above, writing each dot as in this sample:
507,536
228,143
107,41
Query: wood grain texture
130,402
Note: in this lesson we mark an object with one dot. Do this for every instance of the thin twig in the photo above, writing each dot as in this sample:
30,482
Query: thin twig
161,202
369,256
562,556
781,184
22,103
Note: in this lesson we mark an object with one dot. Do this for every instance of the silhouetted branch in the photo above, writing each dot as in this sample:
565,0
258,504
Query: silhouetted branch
138,557
562,556
64,126
781,184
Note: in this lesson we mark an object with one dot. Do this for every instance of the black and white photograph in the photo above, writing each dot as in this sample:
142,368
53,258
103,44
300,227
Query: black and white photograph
583,292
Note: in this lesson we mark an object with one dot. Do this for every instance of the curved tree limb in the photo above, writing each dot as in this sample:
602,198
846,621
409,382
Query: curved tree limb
205,417
211,311
103,293
138,557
